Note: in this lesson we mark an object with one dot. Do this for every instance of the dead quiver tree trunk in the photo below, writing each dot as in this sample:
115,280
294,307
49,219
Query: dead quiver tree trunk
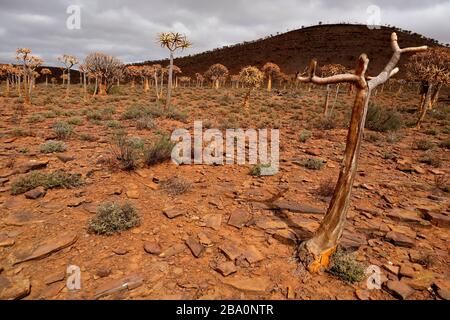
315,253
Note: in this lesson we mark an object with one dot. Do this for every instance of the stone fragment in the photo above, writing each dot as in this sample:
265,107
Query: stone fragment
35,193
226,268
153,248
399,289
173,213
196,248
239,218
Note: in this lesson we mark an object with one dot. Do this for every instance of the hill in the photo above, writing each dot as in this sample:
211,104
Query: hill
292,51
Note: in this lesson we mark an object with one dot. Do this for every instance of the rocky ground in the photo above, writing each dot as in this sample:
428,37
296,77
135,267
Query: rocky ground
220,239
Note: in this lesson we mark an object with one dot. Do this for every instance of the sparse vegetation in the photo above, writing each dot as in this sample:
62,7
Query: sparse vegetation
63,130
56,179
53,147
159,151
383,120
313,163
113,218
176,185
345,267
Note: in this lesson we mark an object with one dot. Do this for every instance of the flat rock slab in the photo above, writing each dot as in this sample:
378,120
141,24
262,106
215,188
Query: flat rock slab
65,158
406,216
252,254
21,218
173,213
296,207
437,219
226,268
213,221
196,248
257,284
173,251
267,223
239,218
46,248
400,240
352,240
121,285
399,289
14,289
35,193
32,165
231,249
153,248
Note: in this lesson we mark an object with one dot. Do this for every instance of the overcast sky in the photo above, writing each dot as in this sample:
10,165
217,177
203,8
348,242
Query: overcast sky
128,29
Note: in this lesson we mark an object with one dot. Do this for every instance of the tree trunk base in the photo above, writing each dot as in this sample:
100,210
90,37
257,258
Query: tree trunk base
313,262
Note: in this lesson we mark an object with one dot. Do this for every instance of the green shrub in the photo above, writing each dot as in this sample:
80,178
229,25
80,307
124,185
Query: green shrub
56,179
63,130
176,185
313,163
423,144
445,144
177,115
136,112
19,132
125,151
255,171
305,136
36,117
383,120
145,123
114,124
53,146
345,267
114,218
76,121
87,137
326,122
160,151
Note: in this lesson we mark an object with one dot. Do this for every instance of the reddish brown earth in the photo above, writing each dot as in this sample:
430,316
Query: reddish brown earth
397,219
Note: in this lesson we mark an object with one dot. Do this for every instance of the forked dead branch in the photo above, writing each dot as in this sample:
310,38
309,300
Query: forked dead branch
315,253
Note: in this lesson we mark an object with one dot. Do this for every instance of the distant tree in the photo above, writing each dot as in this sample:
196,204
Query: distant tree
200,79
46,72
432,69
217,73
29,64
250,78
133,72
172,41
329,70
106,70
271,70
68,61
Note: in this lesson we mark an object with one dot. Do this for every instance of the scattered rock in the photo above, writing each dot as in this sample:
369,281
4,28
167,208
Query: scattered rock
296,207
252,254
213,221
14,289
132,194
55,277
21,218
32,165
407,216
407,271
226,268
285,236
46,248
65,158
437,219
116,286
153,248
120,251
313,152
196,248
172,213
103,272
391,268
239,218
266,223
35,193
6,242
400,240
399,289
173,250
204,239
362,294
231,249
256,284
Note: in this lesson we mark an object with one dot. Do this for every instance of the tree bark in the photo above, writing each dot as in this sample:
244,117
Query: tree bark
169,83
424,108
327,99
269,83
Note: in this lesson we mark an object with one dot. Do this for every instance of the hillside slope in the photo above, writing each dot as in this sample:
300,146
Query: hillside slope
337,43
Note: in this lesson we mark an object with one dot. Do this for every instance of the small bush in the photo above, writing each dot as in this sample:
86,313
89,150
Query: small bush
176,114
383,120
57,179
114,218
346,268
431,160
52,147
135,112
313,163
19,132
326,122
145,123
445,144
125,151
87,137
423,144
94,115
63,130
442,183
305,136
114,124
36,117
76,121
160,151
326,188
176,186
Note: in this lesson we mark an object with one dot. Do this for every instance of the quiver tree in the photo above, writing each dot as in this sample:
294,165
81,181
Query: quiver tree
6,71
184,81
147,72
172,41
216,74
327,71
46,72
315,253
106,70
157,69
235,79
432,70
29,64
199,79
133,72
68,61
271,71
250,78
176,71
83,74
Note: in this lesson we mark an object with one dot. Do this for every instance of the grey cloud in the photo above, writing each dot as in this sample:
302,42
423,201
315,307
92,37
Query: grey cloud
128,29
